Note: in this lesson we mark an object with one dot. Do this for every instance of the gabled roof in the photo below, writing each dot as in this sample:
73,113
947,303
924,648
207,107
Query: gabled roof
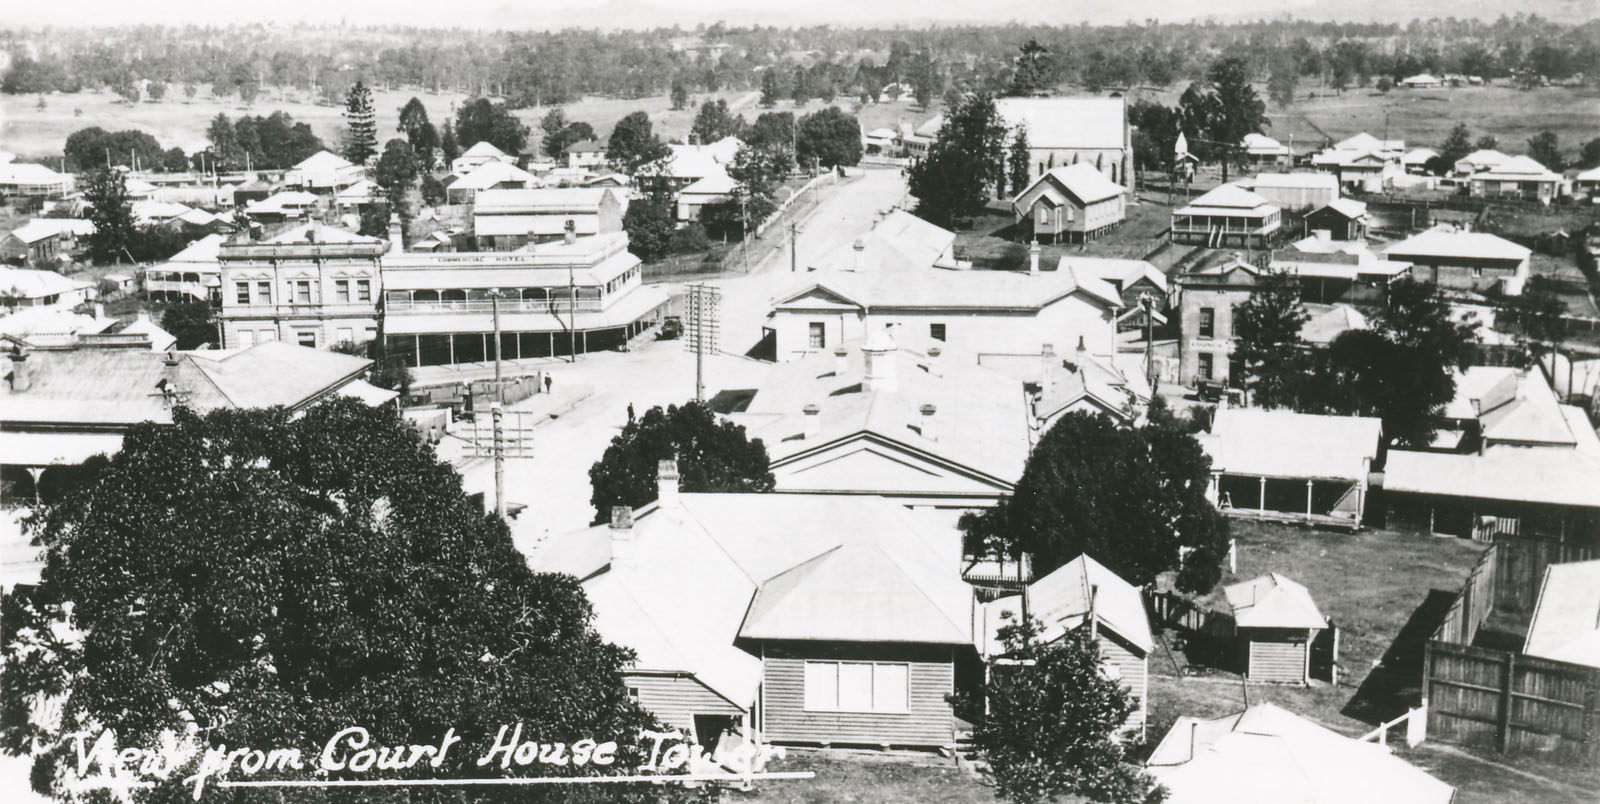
483,149
319,233
1081,181
697,161
1592,174
1285,444
1273,601
29,173
1062,599
1367,142
203,252
901,241
1267,755
35,231
543,200
910,600
323,160
1518,168
1229,197
1257,143
714,184
1112,269
1092,122
718,568
114,388
1566,477
1566,621
1446,241
1348,207
1511,405
1417,156
584,147
490,174
1483,158
77,227
980,413
1327,322
1296,181
29,283
932,288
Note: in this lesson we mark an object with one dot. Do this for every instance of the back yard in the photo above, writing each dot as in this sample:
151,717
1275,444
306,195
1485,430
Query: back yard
1386,590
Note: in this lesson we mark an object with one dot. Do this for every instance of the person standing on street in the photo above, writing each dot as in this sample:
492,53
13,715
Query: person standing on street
630,413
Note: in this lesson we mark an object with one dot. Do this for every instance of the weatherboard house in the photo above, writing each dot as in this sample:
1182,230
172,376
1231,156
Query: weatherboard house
813,619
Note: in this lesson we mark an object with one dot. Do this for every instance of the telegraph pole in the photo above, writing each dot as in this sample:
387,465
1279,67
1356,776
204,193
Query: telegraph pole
499,458
499,389
794,257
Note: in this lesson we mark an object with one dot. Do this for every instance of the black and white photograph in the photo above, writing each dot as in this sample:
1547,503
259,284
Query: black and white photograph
778,402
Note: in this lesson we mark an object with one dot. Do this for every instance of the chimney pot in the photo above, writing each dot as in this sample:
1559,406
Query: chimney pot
878,353
570,232
930,428
622,536
21,374
1033,257
667,484
841,361
813,420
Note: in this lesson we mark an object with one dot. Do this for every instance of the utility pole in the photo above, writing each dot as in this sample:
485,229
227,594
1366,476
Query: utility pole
572,313
499,389
499,455
794,255
701,328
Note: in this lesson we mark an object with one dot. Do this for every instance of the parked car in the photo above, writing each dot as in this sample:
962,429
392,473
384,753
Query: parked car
671,328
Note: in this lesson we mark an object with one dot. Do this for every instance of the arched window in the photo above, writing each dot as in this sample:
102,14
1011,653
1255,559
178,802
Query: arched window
425,296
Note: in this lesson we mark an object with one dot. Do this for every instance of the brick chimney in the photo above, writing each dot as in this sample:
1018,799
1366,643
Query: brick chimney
622,536
879,354
569,232
930,424
397,233
1033,257
667,485
21,372
169,376
1047,368
813,421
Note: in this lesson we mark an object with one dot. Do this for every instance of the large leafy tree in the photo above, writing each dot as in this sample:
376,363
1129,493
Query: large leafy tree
1017,160
714,122
1239,111
650,222
633,144
1403,371
361,124
1268,344
1134,498
713,455
106,191
1589,155
559,132
1035,69
396,171
94,147
1053,723
1536,316
192,323
275,578
771,128
963,163
828,138
424,138
1457,144
1545,148
480,120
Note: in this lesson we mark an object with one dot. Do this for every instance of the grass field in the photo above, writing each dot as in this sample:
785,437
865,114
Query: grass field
1424,117
862,777
29,131
1385,591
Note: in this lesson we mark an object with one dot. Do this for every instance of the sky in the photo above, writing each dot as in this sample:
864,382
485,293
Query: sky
552,13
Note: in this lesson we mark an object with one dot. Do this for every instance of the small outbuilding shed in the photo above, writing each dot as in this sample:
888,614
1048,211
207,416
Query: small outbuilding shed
1276,621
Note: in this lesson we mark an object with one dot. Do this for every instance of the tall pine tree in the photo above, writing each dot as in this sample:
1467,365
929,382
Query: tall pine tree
361,135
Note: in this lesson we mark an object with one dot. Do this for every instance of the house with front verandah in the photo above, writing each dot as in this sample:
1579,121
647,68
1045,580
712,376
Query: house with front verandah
1227,216
830,620
1282,465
